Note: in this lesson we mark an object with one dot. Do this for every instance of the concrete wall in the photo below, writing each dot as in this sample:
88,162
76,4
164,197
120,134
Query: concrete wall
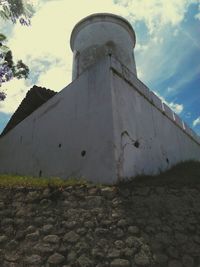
149,136
105,126
99,35
70,135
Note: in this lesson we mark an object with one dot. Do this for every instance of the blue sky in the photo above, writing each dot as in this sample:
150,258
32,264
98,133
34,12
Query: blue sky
167,49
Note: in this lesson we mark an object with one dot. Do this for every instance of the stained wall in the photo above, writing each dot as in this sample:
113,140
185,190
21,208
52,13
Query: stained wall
105,126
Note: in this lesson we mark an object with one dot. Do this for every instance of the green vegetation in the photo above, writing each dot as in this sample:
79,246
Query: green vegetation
186,173
27,181
12,10
183,174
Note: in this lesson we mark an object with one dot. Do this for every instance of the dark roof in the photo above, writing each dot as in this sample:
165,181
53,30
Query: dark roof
34,98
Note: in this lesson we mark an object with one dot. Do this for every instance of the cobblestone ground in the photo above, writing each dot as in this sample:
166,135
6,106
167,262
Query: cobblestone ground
88,226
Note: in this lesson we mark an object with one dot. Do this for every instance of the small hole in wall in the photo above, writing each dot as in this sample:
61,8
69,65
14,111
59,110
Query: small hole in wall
83,153
136,144
40,173
59,145
167,160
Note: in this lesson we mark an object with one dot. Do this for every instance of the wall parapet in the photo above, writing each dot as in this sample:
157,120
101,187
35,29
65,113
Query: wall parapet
151,97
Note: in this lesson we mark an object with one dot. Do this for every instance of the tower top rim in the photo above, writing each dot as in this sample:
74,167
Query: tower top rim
100,17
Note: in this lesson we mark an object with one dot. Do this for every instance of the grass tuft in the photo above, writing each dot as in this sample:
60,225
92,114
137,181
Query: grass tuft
27,181
183,174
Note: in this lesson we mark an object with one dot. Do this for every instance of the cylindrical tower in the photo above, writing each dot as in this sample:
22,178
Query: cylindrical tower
102,34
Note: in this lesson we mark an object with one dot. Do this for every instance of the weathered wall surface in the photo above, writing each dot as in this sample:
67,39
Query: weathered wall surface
105,126
149,137
82,226
99,35
70,135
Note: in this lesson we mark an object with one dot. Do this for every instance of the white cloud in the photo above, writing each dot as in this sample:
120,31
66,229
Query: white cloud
196,122
141,48
44,46
177,108
170,89
16,91
162,61
157,14
51,27
156,54
197,16
185,79
55,78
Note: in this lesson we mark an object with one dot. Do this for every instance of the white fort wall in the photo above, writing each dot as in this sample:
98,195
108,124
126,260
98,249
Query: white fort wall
71,135
150,137
98,35
105,126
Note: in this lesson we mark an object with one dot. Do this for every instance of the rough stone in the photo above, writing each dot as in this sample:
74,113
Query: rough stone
81,247
30,229
71,237
94,201
196,239
113,253
54,239
173,252
122,223
89,224
132,241
187,261
142,259
175,263
11,256
161,258
128,252
97,253
33,260
93,191
12,245
72,256
119,233
163,238
101,231
81,231
180,238
20,235
56,259
108,192
92,236
133,230
6,221
120,263
43,249
70,224
32,196
119,244
45,202
3,239
84,261
47,228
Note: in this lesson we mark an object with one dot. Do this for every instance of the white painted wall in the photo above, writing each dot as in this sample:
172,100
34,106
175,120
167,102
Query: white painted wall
80,119
139,115
104,112
98,35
